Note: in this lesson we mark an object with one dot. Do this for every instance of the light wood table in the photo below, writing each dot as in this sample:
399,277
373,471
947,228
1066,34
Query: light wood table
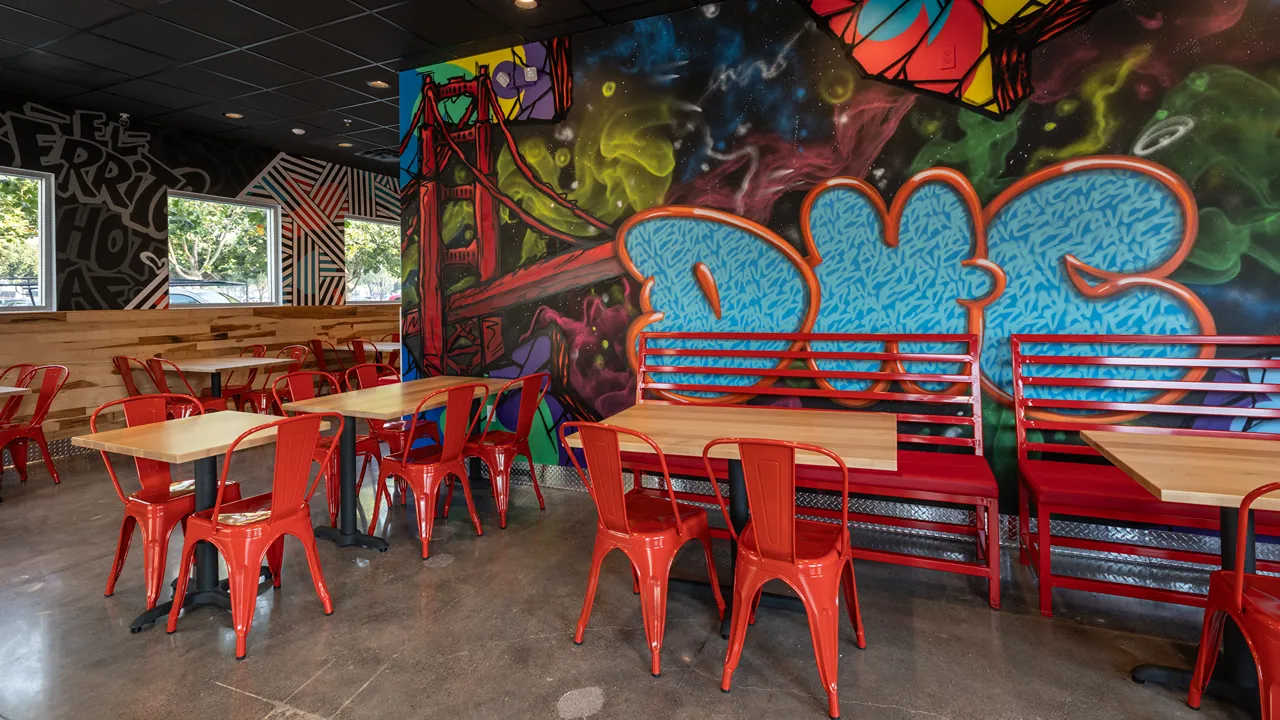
201,439
1203,470
386,347
384,402
10,391
215,366
866,440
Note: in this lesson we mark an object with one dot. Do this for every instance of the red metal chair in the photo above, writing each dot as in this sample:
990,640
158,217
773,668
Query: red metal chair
161,504
647,529
160,366
499,448
813,558
363,351
425,468
1253,604
124,365
245,530
302,386
318,348
233,391
260,399
392,432
15,435
19,375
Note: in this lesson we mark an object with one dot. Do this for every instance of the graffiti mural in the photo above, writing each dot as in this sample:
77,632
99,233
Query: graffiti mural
728,168
111,210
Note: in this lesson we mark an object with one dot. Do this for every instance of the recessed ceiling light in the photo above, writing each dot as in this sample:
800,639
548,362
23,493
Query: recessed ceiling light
380,84
233,115
526,4
299,131
344,144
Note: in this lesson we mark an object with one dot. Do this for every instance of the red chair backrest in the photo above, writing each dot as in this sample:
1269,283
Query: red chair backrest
769,470
297,439
19,375
391,337
144,410
603,475
367,375
931,382
160,366
532,388
301,386
50,379
1242,538
124,365
298,353
1153,384
362,350
253,351
459,419
318,348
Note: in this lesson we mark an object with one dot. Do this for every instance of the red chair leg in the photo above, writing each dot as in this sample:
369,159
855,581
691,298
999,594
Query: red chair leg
705,538
747,582
378,492
308,539
1024,525
333,489
1044,572
184,574
275,560
654,568
155,549
448,499
992,517
602,548
426,499
850,584
820,597
242,574
48,458
122,551
1207,656
533,475
500,478
18,451
471,503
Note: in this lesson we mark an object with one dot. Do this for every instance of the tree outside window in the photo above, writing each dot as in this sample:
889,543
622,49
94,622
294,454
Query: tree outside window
19,241
373,260
220,248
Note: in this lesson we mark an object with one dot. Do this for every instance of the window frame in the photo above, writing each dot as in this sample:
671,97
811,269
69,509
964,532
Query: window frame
275,266
47,279
362,218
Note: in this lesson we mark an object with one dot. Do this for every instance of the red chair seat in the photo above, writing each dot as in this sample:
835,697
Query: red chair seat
815,541
649,514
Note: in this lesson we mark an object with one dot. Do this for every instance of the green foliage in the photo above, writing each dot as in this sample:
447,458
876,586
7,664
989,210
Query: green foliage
218,241
19,227
373,259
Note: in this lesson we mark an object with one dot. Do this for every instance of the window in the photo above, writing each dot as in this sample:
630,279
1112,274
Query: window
223,252
26,240
373,260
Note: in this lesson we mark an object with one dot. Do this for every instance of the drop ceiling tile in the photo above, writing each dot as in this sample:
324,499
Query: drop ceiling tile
372,38
644,10
303,14
217,111
199,123
545,13
431,57
324,93
359,80
8,49
194,79
248,67
602,5
381,137
163,37
158,94
100,51
222,19
444,23
35,86
310,54
279,105
336,122
79,13
377,4
65,69
17,26
111,103
562,29
378,113
487,44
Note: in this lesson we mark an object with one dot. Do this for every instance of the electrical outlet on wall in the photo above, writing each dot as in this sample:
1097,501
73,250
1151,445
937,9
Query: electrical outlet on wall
948,58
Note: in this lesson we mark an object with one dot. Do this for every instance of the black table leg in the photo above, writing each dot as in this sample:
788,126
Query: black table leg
207,590
346,534
1235,678
215,384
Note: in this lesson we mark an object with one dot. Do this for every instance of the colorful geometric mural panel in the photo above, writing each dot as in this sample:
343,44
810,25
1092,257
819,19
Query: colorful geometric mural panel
975,52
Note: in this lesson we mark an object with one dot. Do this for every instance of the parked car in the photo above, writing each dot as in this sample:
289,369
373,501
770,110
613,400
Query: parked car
192,296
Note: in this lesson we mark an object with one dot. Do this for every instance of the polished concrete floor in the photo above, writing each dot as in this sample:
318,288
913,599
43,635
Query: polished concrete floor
483,630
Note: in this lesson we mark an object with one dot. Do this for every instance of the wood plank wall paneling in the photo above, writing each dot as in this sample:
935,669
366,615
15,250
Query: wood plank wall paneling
85,342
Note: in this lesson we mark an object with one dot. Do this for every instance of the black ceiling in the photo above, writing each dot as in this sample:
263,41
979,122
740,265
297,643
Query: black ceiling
283,64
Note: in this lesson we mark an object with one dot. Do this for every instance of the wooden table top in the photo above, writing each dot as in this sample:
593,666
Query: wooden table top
386,347
388,402
9,391
184,439
229,362
867,440
1193,469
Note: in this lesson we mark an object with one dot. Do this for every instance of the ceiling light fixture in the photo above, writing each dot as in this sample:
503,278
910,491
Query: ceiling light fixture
299,131
344,144
526,4
380,84
233,115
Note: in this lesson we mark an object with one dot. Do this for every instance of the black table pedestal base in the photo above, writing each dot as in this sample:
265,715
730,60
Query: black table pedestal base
355,539
218,597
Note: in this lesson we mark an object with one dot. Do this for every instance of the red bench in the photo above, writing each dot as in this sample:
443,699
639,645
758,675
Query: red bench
931,382
1066,383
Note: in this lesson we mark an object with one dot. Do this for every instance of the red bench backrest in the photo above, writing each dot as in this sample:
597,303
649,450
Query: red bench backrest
1178,385
932,382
